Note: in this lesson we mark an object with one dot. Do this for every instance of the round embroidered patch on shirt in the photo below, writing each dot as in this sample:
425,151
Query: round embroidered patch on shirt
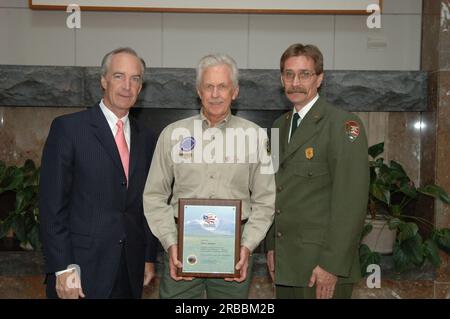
187,144
352,130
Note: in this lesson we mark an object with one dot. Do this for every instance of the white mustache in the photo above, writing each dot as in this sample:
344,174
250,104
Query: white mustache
215,101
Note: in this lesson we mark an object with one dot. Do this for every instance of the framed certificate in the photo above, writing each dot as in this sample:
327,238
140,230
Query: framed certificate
209,233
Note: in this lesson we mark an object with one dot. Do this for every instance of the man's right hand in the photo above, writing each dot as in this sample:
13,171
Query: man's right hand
68,285
271,264
174,264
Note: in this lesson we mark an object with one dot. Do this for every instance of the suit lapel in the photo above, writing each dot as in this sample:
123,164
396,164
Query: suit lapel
102,132
308,128
284,133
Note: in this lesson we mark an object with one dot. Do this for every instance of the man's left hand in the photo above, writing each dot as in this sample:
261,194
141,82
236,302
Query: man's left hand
149,273
242,265
325,283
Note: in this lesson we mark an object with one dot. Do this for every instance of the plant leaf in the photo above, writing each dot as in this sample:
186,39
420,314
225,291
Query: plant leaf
408,253
5,226
436,192
442,238
33,237
376,149
407,231
394,223
367,257
401,260
413,248
12,178
431,252
366,230
18,226
380,192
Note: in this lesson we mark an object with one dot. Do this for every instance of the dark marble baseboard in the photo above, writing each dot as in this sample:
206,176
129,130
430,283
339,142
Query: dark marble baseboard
174,88
15,263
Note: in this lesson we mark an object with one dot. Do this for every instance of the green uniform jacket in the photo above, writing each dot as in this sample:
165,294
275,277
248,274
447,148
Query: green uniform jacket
322,192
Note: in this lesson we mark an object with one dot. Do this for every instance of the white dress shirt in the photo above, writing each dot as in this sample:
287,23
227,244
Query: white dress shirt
302,113
112,121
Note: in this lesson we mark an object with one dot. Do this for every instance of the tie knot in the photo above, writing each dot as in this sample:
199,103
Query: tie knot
296,117
119,124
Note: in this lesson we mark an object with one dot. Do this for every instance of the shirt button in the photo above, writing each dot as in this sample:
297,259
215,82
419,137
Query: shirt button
211,176
279,235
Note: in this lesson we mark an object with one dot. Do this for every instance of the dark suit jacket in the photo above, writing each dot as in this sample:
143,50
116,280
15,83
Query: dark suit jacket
322,193
87,212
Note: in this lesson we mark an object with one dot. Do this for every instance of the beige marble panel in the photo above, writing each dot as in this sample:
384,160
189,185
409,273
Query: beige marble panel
443,146
364,116
378,123
23,131
444,38
403,142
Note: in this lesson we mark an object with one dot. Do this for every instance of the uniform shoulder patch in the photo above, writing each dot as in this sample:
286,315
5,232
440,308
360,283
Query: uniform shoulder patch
352,130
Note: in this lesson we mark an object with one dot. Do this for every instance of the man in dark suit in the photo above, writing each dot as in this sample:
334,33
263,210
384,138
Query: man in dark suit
96,240
322,187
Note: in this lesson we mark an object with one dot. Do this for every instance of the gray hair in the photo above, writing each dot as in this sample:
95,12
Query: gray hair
214,60
106,61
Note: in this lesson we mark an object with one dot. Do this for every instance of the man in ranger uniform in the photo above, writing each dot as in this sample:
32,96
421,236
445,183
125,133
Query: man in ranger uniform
322,187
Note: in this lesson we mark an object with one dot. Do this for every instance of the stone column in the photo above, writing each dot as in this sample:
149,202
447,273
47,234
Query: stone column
435,137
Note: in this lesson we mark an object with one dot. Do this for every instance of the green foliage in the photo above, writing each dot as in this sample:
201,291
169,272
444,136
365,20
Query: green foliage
24,219
390,193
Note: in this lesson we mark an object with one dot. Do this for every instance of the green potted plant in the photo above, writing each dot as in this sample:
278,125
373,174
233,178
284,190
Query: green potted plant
23,220
391,198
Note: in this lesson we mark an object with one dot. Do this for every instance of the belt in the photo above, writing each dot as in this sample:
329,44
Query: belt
243,221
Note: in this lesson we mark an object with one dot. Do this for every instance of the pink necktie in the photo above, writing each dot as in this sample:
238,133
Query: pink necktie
122,147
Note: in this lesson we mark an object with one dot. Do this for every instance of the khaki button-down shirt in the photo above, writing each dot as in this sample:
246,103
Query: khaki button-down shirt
202,164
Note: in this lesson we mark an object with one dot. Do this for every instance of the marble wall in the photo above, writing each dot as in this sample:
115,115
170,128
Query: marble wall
23,131
435,164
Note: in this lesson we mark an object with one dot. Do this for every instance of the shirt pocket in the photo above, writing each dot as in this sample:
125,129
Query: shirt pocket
189,174
308,172
312,236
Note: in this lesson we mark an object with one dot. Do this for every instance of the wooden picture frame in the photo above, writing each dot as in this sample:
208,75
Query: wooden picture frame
209,237
216,6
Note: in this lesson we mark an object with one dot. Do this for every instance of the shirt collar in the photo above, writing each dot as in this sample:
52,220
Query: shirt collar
206,122
307,107
111,117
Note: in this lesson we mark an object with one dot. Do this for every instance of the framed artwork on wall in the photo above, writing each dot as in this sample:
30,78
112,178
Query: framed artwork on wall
216,6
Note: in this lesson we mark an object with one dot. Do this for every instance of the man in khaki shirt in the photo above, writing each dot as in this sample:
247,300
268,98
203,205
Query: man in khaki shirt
211,155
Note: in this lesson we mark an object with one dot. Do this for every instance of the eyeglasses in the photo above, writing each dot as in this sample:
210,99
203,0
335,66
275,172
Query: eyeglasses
220,88
305,75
